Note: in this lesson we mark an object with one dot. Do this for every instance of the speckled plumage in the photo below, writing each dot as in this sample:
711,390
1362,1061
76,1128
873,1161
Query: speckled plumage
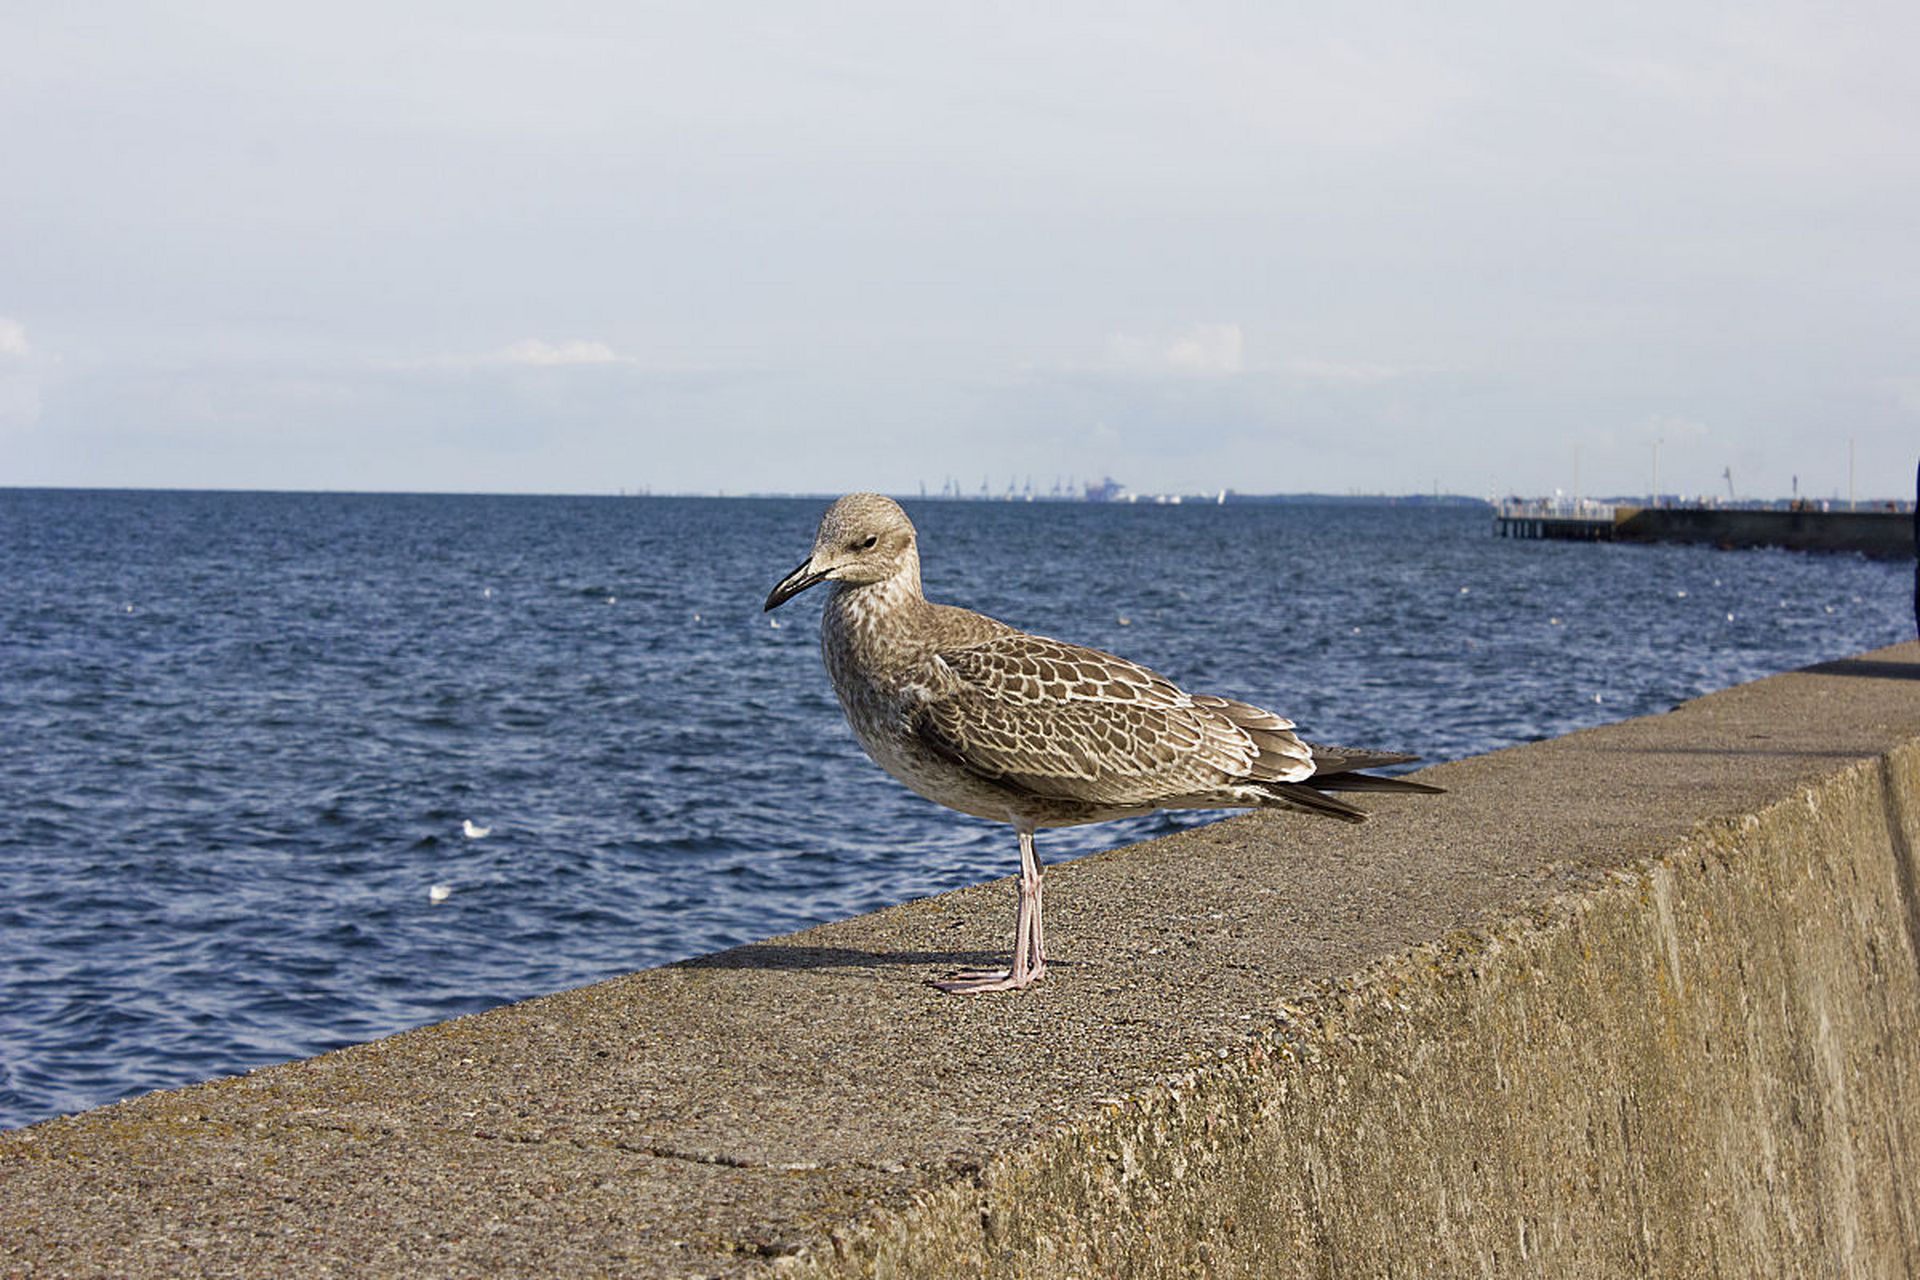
992,721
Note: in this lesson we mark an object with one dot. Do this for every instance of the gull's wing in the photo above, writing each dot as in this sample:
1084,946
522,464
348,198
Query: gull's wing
1071,723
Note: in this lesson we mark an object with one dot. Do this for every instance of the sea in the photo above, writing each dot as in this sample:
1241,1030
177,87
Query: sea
242,734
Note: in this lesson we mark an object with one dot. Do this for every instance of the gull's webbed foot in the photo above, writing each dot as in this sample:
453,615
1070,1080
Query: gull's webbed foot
975,981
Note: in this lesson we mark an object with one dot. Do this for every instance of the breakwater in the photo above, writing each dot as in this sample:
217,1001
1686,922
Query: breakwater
1881,534
1875,533
1644,999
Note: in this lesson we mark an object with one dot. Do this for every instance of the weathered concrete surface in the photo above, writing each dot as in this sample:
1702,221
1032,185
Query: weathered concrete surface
1644,1000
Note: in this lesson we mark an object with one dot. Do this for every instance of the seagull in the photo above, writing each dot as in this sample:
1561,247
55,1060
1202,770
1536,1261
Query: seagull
474,832
995,722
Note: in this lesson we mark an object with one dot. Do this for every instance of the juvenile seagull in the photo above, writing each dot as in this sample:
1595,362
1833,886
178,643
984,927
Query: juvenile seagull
981,717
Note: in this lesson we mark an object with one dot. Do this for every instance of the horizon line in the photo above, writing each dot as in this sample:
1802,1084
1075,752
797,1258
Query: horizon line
1209,496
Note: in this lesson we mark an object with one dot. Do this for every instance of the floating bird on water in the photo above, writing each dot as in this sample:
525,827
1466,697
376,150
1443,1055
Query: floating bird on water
981,717
473,831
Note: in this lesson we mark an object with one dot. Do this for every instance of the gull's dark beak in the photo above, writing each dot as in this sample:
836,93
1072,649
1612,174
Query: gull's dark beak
793,584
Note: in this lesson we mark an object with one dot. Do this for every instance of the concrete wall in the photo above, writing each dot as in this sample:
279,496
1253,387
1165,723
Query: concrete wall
1709,1066
1643,1000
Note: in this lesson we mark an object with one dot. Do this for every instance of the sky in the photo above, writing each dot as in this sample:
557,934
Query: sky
1480,247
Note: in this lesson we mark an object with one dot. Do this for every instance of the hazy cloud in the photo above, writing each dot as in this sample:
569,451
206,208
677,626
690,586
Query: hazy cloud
1208,350
1354,372
534,351
528,352
1197,350
20,392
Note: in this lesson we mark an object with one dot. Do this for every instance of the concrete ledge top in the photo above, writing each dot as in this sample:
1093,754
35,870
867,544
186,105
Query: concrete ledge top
708,1117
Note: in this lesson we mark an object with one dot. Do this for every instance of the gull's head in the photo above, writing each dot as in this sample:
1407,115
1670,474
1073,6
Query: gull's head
863,538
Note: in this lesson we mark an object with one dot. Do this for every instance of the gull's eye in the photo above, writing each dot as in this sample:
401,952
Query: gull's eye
872,538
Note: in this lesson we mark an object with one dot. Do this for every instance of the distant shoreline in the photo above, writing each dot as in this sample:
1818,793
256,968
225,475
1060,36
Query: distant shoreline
1232,498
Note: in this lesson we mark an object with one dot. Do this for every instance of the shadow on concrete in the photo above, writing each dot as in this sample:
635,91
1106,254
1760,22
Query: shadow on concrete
791,957
1862,667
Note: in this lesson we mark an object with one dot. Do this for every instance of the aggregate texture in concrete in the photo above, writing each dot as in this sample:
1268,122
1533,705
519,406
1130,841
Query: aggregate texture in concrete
1643,1000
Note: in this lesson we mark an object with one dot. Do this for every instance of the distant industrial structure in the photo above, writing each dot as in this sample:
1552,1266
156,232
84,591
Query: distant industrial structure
1109,490
1067,489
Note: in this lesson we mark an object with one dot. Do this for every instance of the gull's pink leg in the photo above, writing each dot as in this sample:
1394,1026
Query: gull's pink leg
975,981
1028,856
1029,954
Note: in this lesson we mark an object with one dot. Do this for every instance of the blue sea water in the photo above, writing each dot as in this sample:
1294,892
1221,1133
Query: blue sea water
241,732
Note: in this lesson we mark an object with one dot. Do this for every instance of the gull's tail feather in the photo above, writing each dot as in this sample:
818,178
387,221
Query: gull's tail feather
1328,760
1293,795
1374,782
1338,769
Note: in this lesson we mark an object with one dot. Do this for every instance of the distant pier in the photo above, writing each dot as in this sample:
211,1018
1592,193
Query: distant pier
1882,534
1560,521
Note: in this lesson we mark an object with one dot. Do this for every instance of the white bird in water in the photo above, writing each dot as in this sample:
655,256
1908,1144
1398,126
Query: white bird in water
1017,728
474,832
439,893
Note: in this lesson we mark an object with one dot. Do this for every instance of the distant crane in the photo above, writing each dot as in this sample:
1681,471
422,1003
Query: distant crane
1728,473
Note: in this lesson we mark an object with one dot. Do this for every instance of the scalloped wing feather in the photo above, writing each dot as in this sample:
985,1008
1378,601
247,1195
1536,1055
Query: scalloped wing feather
1072,723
